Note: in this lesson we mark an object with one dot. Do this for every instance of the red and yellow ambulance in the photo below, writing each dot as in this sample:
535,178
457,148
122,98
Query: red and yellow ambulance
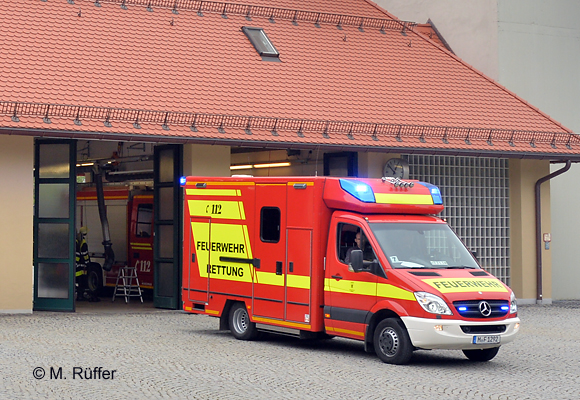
365,259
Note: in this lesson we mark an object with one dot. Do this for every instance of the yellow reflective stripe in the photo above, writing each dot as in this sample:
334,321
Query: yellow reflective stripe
367,289
394,292
340,330
269,278
212,192
141,246
354,287
464,285
216,209
284,323
298,281
401,198
79,273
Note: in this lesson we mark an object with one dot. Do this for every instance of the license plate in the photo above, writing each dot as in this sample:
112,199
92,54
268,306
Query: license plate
486,339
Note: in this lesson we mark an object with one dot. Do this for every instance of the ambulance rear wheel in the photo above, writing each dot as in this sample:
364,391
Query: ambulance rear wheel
392,343
240,325
481,354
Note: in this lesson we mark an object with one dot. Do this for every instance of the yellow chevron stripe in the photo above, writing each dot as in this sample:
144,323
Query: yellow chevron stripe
212,192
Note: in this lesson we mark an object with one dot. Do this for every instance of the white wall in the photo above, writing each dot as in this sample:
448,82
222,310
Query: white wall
539,59
468,26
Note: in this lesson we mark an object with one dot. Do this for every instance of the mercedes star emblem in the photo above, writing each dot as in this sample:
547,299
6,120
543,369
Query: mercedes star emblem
484,308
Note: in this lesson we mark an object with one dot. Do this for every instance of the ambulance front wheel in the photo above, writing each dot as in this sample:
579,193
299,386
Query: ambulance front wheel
481,354
392,343
240,325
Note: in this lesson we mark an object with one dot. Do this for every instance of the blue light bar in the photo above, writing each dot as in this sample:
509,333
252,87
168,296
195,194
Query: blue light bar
358,189
462,309
182,180
505,308
435,192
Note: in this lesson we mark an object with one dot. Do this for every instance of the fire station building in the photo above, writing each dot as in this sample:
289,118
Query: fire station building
255,87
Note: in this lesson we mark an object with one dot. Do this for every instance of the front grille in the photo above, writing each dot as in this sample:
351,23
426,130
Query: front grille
482,329
470,308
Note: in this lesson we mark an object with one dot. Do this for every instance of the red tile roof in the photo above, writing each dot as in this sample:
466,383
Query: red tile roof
359,80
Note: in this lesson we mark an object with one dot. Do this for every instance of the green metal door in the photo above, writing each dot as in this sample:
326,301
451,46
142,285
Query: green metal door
54,225
168,230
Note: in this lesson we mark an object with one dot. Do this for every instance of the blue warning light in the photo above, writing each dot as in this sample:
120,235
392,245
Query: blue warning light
358,189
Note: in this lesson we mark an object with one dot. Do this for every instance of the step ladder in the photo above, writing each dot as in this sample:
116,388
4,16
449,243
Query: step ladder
127,284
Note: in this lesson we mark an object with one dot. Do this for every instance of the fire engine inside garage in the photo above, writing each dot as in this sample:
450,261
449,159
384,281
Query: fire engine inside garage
114,222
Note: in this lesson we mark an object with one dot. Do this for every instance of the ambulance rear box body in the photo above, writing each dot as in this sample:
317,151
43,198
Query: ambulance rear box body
365,259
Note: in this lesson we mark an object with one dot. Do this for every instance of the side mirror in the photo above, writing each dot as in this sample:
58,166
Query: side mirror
474,254
356,260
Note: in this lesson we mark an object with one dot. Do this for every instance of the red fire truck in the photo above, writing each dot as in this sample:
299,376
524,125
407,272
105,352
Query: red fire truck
365,259
130,215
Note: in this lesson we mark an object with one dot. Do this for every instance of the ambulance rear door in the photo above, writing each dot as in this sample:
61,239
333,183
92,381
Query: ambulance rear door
270,248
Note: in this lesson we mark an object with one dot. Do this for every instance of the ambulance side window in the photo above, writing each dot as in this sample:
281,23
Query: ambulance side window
346,240
270,224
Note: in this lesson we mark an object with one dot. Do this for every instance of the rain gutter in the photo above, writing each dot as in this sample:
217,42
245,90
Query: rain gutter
539,289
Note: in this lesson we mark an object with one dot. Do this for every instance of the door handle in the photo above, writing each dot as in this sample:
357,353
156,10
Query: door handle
291,266
278,267
337,277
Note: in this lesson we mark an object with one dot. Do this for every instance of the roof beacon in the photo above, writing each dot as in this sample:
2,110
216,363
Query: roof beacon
396,182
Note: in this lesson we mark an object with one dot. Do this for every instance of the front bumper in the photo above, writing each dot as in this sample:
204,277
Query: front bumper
424,335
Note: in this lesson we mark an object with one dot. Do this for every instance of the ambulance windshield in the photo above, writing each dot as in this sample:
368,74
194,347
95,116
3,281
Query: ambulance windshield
417,245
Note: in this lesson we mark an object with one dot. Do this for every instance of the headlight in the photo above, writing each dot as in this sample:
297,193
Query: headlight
432,304
513,304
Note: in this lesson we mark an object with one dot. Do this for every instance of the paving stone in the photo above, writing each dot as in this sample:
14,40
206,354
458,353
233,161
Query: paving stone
170,354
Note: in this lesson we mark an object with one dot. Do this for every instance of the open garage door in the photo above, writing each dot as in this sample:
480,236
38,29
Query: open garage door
54,225
168,229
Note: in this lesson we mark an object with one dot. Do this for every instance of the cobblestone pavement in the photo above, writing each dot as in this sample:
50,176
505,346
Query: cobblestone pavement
169,354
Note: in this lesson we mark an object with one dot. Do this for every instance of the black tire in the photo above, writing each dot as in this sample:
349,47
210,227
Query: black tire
240,325
392,343
481,355
94,279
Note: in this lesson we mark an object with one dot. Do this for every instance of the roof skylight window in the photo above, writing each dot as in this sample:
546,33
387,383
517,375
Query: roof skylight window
261,43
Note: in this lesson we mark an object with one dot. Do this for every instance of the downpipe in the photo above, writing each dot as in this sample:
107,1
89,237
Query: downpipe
108,246
539,288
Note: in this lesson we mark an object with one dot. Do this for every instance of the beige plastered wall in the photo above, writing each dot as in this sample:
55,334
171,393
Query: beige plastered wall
206,160
307,163
16,229
523,175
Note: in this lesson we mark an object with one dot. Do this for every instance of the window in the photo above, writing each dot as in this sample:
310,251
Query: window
261,42
270,224
144,218
419,245
351,237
